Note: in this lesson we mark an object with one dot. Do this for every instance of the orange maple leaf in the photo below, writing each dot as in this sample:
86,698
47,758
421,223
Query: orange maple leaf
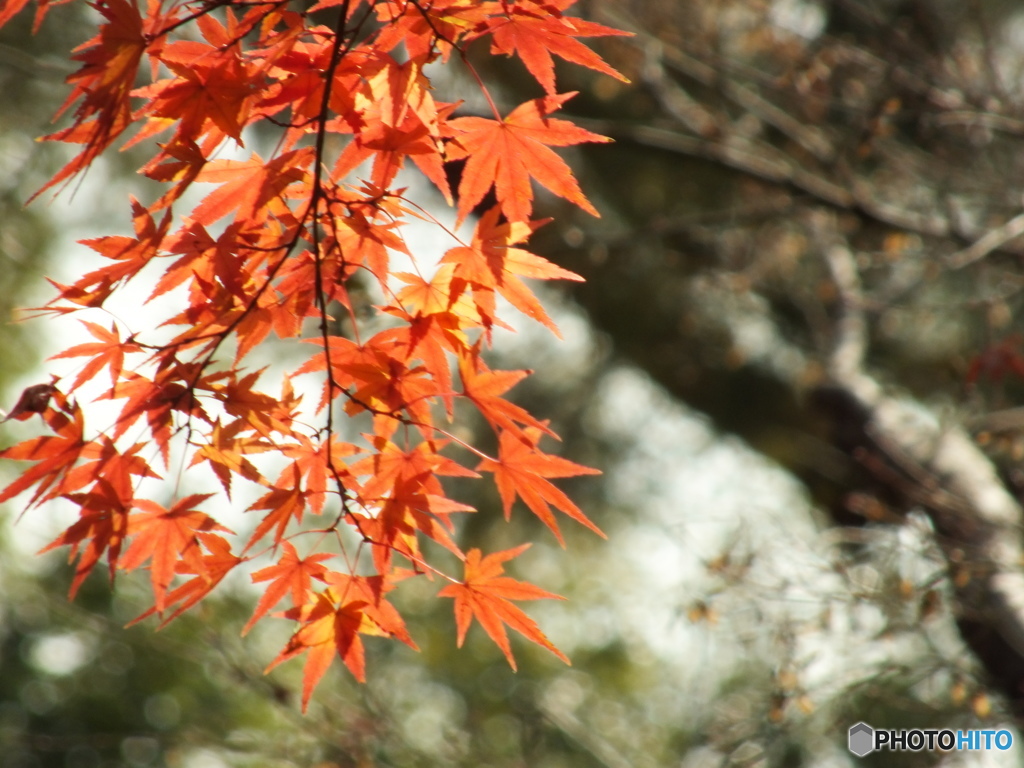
485,594
102,527
310,460
129,254
248,186
536,33
492,263
398,120
165,536
225,452
55,455
331,624
508,153
106,462
521,469
209,569
285,501
485,388
110,62
212,92
290,575
108,352
424,28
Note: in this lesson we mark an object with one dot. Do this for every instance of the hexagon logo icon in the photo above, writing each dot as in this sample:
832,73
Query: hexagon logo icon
862,739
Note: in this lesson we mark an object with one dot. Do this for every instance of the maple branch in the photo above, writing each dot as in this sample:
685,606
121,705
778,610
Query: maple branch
218,87
338,51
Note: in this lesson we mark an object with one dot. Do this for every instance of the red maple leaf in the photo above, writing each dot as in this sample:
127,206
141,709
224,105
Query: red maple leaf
248,186
110,62
286,502
55,455
225,452
102,527
212,89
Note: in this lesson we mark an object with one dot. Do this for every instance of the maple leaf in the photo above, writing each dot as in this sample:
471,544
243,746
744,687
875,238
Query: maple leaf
205,259
443,314
264,413
101,527
248,186
996,361
105,462
486,595
375,377
400,120
129,254
491,263
12,8
508,153
521,470
211,92
165,536
180,160
291,575
311,461
484,388
534,33
389,466
157,399
405,487
371,590
327,631
209,569
365,242
225,453
108,352
55,455
103,82
34,399
331,624
407,512
285,502
422,28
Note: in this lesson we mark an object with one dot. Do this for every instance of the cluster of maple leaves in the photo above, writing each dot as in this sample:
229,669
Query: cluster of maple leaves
275,248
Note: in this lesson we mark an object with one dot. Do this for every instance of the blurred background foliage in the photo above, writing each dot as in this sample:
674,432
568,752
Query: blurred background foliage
762,588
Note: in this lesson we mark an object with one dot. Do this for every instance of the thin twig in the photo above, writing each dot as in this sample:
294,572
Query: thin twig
991,241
